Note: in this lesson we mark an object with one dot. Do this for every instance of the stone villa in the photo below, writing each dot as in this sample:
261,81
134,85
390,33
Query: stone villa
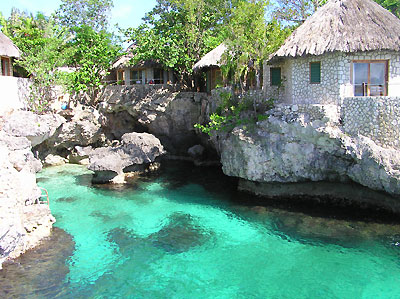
348,48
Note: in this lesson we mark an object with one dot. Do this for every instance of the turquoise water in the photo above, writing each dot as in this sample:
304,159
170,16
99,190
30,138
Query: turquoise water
168,237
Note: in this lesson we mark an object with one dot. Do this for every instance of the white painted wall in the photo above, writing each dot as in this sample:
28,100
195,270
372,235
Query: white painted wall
14,93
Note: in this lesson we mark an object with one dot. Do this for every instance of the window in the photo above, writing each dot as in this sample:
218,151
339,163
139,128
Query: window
120,77
275,74
315,72
136,76
5,66
370,78
158,76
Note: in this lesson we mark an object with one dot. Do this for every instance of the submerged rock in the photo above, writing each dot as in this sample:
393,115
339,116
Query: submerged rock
41,272
180,234
136,153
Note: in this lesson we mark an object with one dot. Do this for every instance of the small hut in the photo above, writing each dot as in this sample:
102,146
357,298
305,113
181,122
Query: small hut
210,63
144,72
348,48
8,51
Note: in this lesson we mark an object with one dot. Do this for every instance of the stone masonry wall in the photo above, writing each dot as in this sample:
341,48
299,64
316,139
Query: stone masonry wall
375,117
335,77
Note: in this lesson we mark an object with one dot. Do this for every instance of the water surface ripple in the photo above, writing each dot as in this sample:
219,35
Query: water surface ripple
173,236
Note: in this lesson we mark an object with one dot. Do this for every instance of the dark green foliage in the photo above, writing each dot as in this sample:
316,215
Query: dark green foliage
392,5
177,33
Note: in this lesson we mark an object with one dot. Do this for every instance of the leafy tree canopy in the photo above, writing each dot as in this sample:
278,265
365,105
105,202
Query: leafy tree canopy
296,11
177,33
92,13
92,57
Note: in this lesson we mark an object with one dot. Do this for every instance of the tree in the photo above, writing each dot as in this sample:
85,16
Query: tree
250,40
296,11
92,13
92,58
44,49
177,33
392,5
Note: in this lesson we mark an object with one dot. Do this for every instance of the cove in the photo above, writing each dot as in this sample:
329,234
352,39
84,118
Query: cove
187,233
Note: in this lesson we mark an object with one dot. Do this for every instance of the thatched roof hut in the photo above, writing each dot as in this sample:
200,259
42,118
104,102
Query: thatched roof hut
7,47
345,26
124,61
211,59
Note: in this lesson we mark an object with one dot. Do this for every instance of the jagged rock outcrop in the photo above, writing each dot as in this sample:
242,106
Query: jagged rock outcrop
23,220
297,147
82,128
136,153
163,112
37,128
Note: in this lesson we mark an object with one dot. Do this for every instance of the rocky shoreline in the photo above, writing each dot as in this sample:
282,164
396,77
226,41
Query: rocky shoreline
293,152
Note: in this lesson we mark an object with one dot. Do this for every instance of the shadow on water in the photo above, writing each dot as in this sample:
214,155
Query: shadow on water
40,272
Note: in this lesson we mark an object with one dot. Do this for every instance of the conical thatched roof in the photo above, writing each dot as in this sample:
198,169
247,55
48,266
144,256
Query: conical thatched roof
7,47
345,26
212,58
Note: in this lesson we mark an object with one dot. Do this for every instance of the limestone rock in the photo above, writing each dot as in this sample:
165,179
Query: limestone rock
136,153
196,151
298,147
19,153
163,112
54,160
23,222
82,129
37,128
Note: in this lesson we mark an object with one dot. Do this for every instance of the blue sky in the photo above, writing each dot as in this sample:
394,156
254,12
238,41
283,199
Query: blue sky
127,13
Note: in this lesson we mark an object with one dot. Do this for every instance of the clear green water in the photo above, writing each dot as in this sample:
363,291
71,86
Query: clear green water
167,237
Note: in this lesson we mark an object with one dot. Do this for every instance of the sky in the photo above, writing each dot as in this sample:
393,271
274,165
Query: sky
127,13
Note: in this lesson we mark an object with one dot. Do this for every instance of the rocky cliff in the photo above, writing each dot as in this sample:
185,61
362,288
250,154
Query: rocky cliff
300,145
24,220
168,114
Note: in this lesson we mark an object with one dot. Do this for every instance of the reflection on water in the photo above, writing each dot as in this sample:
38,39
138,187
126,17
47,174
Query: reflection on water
186,233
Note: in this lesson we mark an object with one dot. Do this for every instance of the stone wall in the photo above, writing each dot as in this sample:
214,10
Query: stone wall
375,117
14,93
335,77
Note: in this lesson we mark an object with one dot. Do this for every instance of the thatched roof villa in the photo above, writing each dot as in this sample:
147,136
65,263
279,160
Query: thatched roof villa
144,72
7,51
210,63
348,48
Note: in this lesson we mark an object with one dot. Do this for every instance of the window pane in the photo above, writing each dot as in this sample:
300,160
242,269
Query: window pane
315,72
359,90
360,73
275,76
378,73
